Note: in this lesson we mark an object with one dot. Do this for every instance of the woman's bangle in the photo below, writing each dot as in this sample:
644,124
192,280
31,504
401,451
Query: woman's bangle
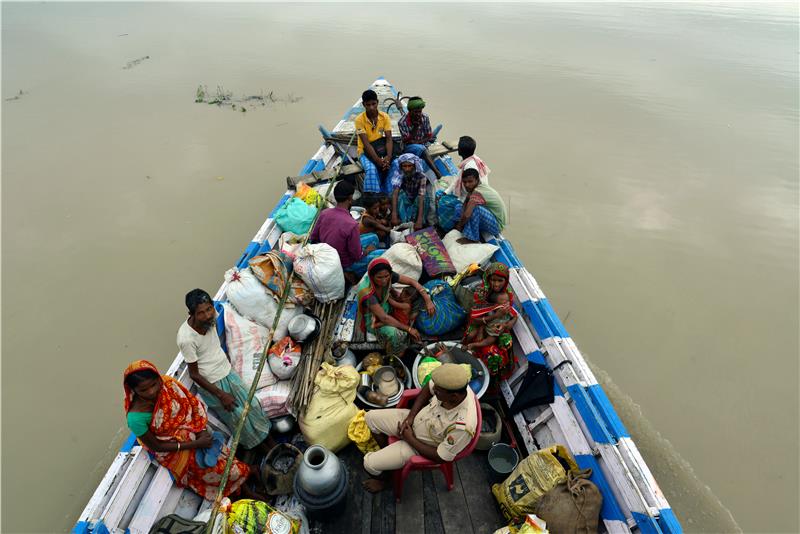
179,445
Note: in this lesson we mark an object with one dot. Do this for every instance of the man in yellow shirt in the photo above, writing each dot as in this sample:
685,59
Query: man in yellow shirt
374,126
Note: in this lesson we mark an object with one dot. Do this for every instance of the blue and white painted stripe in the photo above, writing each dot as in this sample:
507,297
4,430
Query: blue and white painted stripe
634,489
572,435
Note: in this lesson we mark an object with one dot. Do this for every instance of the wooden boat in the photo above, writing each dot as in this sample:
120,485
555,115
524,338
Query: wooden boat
135,492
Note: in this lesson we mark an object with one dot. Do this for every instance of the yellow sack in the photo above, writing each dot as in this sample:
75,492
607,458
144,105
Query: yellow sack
309,195
533,477
331,407
359,433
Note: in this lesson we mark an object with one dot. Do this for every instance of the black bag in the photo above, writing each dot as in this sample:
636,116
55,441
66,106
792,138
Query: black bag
536,388
175,524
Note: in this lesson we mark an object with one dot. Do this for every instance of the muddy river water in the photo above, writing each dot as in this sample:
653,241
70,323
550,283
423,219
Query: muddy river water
649,154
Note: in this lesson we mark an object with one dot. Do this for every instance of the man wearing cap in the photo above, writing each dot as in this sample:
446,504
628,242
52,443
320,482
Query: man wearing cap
337,228
415,131
439,425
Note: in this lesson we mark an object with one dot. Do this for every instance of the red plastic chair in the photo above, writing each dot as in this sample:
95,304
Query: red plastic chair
419,463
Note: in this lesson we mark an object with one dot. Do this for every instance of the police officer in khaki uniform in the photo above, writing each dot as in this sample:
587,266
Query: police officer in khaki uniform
439,425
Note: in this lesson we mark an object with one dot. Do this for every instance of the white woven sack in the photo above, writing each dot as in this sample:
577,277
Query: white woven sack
273,399
463,255
404,260
320,268
249,296
245,341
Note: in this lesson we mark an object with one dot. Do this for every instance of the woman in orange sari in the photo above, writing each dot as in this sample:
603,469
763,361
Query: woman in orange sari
171,424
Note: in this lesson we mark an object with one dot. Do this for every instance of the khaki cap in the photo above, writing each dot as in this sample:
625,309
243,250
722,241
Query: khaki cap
450,376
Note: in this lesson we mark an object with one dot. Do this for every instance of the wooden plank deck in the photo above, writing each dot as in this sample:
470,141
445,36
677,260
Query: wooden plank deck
427,507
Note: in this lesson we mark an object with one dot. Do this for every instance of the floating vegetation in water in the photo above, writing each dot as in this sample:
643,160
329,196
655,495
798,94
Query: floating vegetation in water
224,98
132,63
16,96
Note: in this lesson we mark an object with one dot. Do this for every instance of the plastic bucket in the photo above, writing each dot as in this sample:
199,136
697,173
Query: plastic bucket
503,459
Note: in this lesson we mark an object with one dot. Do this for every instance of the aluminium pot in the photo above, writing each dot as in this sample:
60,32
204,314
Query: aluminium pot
320,472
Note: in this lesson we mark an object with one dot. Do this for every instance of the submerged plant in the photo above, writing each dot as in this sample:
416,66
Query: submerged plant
225,98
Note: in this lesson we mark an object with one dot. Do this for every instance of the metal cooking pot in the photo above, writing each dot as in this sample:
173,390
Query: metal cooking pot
304,328
320,472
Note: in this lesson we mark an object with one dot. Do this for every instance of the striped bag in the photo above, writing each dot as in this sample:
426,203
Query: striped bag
449,314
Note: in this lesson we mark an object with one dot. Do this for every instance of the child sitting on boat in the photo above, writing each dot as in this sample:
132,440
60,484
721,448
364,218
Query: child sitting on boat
483,211
386,210
371,221
406,306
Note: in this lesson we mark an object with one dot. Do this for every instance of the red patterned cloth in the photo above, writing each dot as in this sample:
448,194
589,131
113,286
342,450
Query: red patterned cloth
179,416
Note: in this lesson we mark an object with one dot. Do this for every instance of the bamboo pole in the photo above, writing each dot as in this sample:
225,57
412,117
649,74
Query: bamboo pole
246,409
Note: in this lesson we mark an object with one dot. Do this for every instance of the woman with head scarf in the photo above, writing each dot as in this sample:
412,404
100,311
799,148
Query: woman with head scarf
498,357
374,300
410,201
171,424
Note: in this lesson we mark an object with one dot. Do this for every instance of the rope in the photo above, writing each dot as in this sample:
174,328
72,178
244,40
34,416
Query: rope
246,409
575,486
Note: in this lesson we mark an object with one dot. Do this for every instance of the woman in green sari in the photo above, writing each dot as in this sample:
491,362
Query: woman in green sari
375,307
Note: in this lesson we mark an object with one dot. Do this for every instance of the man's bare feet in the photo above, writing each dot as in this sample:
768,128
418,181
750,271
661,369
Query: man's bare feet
374,485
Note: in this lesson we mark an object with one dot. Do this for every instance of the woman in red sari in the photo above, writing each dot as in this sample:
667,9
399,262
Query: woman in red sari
499,356
171,424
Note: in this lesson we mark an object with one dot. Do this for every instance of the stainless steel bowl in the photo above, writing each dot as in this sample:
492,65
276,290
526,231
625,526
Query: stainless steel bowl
460,355
392,400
